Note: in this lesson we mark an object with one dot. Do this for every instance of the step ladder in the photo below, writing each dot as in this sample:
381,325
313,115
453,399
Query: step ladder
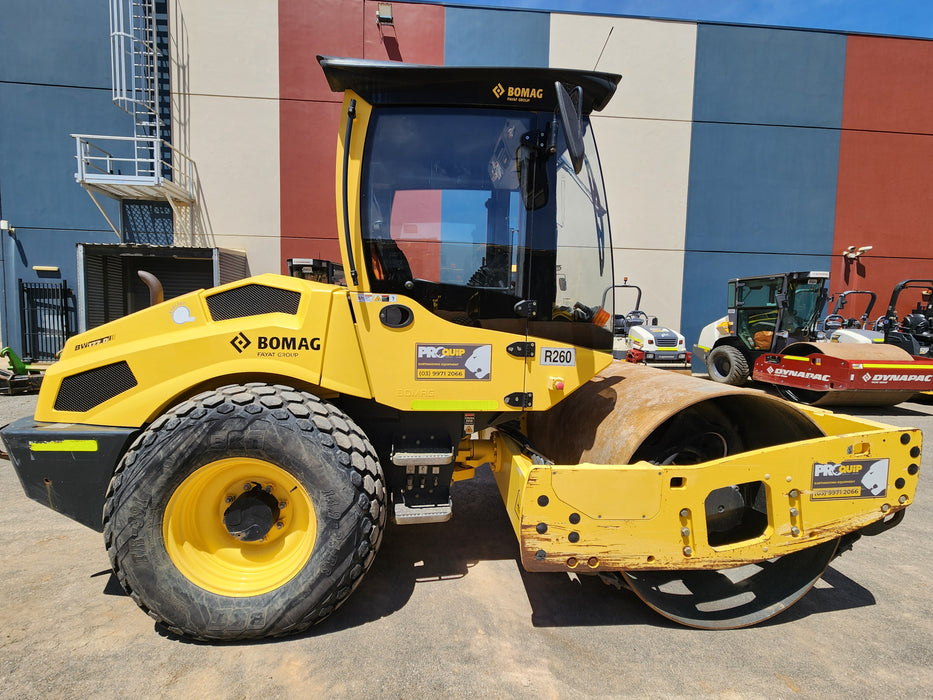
425,470
135,56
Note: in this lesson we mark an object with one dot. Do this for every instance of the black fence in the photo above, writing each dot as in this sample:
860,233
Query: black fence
47,319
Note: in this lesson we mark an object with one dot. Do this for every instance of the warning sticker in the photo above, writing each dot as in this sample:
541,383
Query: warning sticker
856,478
370,298
453,362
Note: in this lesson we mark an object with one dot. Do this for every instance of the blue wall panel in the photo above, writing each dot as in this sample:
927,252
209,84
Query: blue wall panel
38,192
54,81
762,189
496,38
764,160
55,42
761,200
769,76
37,154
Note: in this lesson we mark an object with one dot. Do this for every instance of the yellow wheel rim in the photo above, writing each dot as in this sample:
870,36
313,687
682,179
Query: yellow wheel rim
207,554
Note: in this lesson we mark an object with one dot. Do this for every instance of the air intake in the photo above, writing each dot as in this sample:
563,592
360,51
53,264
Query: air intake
252,300
85,390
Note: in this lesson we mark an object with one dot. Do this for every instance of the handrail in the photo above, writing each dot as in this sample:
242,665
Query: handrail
96,160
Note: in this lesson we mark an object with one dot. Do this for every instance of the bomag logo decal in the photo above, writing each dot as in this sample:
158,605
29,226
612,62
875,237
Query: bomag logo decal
240,342
288,343
857,478
276,345
517,94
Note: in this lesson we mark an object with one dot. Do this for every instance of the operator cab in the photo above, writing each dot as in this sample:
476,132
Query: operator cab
770,312
481,195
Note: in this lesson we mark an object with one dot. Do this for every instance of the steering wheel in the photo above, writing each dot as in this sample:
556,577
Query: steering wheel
834,322
636,318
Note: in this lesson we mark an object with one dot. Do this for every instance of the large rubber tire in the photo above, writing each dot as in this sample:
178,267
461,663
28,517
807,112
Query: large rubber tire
182,561
727,365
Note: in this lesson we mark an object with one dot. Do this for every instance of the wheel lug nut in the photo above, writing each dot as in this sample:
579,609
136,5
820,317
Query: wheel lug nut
279,525
228,499
282,504
269,488
247,486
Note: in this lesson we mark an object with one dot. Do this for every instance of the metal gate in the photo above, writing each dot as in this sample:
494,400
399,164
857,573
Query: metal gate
47,309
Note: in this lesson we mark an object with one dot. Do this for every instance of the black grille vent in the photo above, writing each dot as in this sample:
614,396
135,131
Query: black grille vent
85,390
252,300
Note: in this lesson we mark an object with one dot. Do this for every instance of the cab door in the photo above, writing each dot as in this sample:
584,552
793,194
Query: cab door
433,234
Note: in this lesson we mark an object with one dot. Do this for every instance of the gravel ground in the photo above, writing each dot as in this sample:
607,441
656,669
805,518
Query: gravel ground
448,611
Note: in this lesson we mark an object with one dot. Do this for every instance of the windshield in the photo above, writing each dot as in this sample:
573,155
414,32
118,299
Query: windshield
468,213
804,303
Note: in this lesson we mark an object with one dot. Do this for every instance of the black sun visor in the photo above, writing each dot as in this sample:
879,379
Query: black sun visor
386,82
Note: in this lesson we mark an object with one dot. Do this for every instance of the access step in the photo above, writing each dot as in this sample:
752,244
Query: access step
419,515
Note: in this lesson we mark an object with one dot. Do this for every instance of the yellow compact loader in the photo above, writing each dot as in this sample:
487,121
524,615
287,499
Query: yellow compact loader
242,447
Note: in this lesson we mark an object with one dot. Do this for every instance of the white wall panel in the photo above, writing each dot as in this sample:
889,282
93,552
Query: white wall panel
239,176
646,166
659,273
656,61
228,48
225,116
644,142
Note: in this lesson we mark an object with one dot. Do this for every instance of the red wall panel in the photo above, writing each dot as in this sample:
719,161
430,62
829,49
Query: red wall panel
308,29
889,85
309,113
885,184
416,34
307,153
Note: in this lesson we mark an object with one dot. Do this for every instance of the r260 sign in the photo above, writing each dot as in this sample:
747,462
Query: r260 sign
565,357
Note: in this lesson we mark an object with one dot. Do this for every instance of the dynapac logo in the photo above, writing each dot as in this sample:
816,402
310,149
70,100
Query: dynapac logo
784,372
884,378
517,94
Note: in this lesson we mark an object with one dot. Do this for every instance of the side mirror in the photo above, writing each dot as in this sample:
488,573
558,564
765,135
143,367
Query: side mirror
571,119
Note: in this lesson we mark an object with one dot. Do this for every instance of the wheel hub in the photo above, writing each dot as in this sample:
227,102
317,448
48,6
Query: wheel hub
252,514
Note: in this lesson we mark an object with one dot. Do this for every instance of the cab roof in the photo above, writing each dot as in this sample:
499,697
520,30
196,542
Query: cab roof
392,83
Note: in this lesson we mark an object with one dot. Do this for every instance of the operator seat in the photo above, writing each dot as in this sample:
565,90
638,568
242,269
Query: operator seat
389,266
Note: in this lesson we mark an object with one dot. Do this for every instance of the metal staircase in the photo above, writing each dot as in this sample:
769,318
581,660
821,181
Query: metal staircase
135,79
143,166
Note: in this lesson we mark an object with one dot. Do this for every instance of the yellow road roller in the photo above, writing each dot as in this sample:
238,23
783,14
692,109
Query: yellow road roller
242,447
